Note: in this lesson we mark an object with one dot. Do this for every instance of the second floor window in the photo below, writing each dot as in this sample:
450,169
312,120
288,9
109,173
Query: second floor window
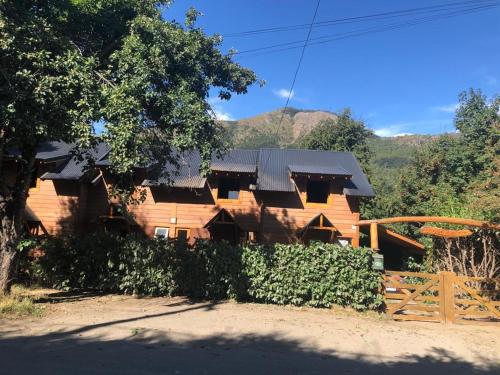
317,191
229,188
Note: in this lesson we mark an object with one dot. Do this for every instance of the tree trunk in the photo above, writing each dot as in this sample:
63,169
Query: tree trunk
7,270
10,232
12,206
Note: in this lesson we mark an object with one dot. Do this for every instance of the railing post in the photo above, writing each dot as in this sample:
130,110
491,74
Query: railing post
446,297
374,236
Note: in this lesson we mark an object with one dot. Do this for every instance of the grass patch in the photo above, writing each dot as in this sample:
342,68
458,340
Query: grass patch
19,304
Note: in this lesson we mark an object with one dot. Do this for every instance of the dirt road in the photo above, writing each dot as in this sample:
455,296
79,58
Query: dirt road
125,335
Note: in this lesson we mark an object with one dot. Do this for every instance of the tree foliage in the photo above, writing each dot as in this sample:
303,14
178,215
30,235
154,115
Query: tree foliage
343,134
66,64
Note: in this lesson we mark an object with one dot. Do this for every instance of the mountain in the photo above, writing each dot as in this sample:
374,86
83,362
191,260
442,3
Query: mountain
265,130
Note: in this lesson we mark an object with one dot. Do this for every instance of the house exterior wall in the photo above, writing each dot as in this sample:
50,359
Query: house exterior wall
285,213
275,216
192,209
57,205
76,207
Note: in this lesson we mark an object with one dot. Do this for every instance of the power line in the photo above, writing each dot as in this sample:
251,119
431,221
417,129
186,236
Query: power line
355,33
290,93
364,18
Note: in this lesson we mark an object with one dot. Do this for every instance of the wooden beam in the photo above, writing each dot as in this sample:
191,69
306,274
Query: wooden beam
445,233
374,236
402,238
432,219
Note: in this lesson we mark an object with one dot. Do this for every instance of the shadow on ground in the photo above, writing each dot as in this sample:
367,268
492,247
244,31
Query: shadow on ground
83,350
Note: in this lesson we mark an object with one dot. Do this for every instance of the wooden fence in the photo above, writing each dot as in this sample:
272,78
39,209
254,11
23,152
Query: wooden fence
443,297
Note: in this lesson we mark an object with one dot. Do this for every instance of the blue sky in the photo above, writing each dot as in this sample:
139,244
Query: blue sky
399,81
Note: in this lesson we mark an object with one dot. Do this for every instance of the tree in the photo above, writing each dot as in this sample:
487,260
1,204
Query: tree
65,64
342,134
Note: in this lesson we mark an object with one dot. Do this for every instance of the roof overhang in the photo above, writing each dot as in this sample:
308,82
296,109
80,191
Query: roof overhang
330,171
222,217
396,239
318,222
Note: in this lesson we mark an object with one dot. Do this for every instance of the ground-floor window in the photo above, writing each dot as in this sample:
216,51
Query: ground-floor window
343,241
161,232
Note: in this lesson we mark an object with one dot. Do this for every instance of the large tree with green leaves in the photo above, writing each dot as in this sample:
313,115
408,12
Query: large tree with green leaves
66,64
462,167
343,134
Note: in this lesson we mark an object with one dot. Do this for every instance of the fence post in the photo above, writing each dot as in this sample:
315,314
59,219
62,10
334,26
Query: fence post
446,297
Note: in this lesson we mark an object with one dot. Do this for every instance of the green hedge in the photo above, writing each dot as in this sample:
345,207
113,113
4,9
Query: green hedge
317,275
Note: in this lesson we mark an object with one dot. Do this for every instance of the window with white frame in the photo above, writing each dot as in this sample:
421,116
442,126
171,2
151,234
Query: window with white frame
161,232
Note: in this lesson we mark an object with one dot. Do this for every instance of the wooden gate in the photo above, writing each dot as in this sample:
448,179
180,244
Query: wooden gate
443,297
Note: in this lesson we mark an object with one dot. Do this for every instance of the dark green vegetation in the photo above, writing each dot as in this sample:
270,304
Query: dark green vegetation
68,64
318,275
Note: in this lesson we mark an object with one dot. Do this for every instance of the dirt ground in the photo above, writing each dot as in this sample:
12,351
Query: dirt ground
126,335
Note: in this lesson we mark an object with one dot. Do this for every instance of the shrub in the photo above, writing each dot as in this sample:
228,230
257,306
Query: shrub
317,275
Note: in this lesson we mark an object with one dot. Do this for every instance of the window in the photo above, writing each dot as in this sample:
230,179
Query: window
317,191
343,241
161,232
229,188
182,234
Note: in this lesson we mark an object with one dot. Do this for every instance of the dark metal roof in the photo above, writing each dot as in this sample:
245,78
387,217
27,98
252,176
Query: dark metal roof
273,169
318,170
243,161
75,169
53,150
187,175
47,151
272,166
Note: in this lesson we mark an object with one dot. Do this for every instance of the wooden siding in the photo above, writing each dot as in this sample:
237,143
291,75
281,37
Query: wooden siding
65,206
276,216
56,204
285,213
193,209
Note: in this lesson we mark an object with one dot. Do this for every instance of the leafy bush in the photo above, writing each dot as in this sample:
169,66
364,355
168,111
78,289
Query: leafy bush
318,275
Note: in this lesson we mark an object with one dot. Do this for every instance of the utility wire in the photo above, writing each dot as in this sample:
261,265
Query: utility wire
355,33
290,93
364,18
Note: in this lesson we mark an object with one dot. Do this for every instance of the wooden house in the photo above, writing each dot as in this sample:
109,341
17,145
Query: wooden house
267,196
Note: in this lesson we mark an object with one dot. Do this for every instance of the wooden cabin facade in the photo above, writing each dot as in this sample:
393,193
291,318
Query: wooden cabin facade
268,195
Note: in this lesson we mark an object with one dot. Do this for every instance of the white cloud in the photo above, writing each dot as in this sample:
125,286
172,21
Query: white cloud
430,126
284,93
222,115
218,110
450,108
391,131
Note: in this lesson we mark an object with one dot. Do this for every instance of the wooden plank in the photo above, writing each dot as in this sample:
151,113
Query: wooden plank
483,314
413,274
404,286
422,307
445,233
432,219
413,317
462,301
473,294
419,298
418,291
